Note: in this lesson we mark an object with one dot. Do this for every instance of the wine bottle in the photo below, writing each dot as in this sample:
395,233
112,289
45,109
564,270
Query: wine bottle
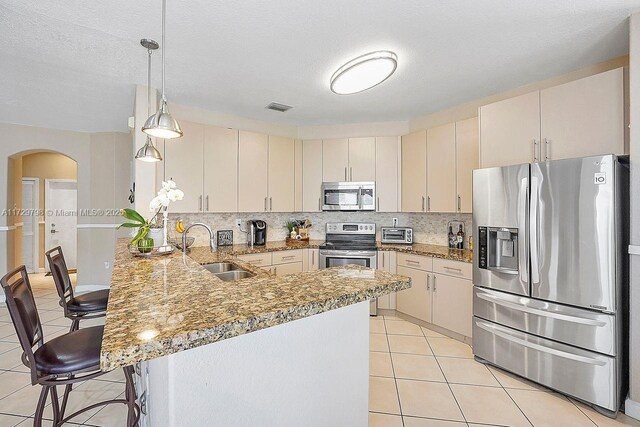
460,238
451,238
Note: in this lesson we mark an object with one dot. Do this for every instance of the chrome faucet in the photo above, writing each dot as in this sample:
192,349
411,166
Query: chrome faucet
212,240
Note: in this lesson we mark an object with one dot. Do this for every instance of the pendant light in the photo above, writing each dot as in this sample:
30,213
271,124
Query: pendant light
149,153
162,124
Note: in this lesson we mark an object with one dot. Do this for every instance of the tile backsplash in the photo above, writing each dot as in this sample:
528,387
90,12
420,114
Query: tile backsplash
427,227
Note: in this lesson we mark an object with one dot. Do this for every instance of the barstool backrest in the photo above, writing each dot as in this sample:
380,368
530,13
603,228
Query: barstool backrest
24,314
60,273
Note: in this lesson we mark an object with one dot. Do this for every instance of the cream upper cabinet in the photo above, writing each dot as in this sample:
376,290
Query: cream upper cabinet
510,131
311,174
584,117
362,159
298,175
466,161
281,182
387,174
441,166
220,169
183,163
414,171
335,160
252,171
415,301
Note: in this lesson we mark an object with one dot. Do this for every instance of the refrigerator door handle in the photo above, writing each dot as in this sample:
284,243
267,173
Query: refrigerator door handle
522,219
533,229
497,330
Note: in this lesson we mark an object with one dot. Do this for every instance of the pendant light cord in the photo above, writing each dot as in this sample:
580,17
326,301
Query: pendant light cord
149,83
164,12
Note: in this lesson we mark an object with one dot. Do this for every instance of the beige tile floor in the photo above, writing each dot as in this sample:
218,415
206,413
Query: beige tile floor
18,398
420,378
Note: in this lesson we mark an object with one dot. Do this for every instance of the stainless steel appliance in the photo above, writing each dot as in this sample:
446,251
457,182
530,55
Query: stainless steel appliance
398,235
256,232
350,243
550,274
348,196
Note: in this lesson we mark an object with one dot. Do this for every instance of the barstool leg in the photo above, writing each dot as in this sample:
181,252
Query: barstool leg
75,325
65,398
55,405
130,396
37,421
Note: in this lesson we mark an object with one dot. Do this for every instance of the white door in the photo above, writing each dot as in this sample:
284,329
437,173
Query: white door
30,187
60,220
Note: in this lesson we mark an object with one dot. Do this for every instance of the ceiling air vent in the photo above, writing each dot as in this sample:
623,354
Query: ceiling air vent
278,107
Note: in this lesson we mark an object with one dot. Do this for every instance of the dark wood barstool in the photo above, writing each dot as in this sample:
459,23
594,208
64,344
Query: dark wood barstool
64,360
76,307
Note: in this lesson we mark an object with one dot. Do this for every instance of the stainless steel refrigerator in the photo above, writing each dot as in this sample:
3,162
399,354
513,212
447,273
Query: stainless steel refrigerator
550,274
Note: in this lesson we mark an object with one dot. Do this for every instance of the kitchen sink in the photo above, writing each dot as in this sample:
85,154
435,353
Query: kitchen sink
221,267
228,271
230,276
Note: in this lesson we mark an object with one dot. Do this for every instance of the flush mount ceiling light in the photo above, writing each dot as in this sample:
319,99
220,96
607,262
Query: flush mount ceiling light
364,72
149,153
162,124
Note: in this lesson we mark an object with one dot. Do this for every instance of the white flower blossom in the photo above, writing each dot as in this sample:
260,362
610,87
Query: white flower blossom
167,194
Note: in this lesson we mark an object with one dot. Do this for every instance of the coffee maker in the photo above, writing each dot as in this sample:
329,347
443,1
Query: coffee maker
256,232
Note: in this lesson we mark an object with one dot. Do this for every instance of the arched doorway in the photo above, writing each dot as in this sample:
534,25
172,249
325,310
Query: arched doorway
43,185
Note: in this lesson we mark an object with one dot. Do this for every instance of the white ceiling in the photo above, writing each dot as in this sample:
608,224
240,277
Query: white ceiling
72,64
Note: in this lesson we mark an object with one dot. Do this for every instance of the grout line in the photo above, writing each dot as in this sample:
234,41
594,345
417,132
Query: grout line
585,414
445,378
517,406
393,370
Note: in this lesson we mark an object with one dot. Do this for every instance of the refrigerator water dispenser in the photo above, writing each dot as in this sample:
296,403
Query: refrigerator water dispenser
498,249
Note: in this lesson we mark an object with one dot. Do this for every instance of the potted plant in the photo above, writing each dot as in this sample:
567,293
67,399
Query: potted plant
167,194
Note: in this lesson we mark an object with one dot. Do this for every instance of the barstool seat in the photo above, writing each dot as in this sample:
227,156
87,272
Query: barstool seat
75,351
89,302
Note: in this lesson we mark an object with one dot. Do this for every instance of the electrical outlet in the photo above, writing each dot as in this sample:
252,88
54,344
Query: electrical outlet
395,222
107,265
238,222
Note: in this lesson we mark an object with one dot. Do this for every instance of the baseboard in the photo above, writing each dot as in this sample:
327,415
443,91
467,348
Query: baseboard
632,409
83,289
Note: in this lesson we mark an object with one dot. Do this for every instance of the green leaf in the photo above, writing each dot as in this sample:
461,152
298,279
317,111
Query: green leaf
133,215
142,233
129,225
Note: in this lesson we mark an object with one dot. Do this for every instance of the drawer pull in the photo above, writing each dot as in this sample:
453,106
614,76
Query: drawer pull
288,257
453,269
410,261
255,261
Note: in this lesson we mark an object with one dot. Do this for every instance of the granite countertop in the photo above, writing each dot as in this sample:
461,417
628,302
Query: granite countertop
204,255
163,305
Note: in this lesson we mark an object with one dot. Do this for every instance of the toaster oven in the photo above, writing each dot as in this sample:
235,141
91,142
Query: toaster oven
398,235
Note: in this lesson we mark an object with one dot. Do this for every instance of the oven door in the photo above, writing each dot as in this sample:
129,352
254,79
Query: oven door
333,258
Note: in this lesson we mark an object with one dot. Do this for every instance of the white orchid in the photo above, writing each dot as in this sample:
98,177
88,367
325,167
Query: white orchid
167,194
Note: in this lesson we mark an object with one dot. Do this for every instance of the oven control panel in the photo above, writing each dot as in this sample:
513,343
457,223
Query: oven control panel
350,228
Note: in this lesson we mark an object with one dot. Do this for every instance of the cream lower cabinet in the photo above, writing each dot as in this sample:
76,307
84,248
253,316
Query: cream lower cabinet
415,301
279,263
387,262
288,268
387,151
310,259
452,303
414,172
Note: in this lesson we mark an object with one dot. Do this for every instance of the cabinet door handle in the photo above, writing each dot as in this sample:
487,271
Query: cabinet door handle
546,149
345,173
207,202
422,203
275,270
378,208
429,203
350,174
453,269
535,147
265,204
313,258
271,203
410,261
434,283
428,281
459,203
319,204
200,203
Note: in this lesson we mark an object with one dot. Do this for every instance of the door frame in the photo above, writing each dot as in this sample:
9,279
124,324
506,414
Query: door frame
47,194
35,219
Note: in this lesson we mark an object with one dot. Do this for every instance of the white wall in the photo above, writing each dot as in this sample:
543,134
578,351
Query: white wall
103,180
633,407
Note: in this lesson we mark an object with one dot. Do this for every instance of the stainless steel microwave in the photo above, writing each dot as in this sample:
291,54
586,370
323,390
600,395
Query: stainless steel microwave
348,196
